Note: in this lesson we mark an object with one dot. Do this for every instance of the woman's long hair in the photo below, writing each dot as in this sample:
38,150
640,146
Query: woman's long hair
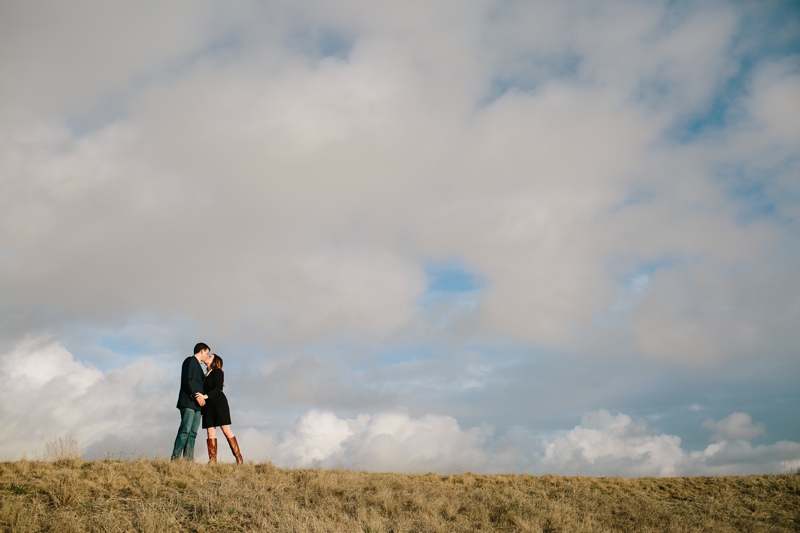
215,363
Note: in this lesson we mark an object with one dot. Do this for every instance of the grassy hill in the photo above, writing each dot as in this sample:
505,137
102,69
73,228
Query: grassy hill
154,496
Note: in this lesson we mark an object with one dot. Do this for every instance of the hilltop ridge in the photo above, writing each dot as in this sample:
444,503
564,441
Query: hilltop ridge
72,495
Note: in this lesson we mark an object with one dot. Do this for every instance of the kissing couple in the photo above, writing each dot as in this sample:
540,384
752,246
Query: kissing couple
201,397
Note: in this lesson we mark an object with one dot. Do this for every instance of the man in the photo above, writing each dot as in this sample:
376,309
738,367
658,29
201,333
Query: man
190,405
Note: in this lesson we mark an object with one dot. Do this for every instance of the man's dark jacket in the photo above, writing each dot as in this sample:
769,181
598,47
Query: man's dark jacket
192,378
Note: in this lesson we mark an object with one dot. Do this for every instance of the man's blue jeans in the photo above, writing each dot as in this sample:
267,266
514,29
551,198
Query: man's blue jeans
187,432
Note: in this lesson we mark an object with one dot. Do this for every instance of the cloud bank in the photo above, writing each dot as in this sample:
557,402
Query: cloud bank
602,445
300,176
128,413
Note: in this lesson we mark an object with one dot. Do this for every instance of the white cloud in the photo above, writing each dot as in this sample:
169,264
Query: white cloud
736,426
382,442
49,395
742,458
774,102
612,445
318,436
606,444
603,444
48,365
91,51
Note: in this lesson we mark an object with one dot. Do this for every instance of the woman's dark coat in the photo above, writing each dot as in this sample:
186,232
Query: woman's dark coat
216,411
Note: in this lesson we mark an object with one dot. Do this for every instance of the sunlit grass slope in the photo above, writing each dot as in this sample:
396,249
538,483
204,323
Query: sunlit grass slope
153,496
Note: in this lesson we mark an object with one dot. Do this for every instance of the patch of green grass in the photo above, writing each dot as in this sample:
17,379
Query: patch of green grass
17,489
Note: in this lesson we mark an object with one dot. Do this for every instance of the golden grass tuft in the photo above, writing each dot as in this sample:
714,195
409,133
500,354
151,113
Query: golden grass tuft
62,449
70,494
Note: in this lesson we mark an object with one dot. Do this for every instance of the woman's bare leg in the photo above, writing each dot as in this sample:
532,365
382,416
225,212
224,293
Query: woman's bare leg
227,431
212,433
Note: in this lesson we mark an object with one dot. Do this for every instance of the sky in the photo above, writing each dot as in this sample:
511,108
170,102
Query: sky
477,235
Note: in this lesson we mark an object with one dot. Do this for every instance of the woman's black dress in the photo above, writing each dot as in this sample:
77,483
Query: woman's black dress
216,411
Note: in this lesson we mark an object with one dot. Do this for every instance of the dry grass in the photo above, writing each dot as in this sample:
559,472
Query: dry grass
70,494
61,449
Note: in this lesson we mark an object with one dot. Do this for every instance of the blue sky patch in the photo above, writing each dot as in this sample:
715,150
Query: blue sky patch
636,282
334,44
751,190
531,72
454,292
321,42
452,277
106,112
635,198
764,34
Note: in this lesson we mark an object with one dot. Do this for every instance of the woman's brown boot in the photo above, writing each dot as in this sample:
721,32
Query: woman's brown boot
212,450
235,450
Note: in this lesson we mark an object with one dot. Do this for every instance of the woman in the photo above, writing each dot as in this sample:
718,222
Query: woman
216,411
